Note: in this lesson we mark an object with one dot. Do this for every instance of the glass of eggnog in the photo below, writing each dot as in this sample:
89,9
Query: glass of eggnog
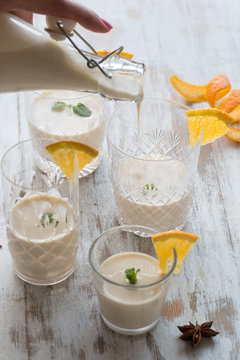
152,163
68,116
126,273
42,213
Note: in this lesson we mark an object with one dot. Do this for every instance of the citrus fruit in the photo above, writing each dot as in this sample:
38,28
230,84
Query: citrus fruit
230,102
233,134
63,153
217,88
165,242
215,123
189,91
235,114
123,53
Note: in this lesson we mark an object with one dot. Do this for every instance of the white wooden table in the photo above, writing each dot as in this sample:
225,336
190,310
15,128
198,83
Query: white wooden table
196,40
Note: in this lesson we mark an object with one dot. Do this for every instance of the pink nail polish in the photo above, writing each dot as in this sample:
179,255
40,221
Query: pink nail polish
107,23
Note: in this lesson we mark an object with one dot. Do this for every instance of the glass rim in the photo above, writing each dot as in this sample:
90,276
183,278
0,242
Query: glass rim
129,286
21,143
88,93
173,102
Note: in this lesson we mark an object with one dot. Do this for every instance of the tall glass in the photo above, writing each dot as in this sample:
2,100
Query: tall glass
152,163
41,209
126,307
54,114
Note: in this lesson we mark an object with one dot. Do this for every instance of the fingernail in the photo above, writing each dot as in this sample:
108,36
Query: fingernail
107,23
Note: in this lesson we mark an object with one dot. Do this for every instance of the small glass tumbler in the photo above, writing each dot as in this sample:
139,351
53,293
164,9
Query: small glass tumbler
152,163
42,213
68,116
127,308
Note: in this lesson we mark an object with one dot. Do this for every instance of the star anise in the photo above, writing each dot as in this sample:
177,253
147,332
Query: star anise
195,332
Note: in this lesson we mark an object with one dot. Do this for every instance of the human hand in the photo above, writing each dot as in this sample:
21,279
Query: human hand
68,9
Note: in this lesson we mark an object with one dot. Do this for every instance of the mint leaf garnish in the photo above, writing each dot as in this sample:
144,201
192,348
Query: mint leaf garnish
149,190
79,109
82,110
131,275
59,106
48,219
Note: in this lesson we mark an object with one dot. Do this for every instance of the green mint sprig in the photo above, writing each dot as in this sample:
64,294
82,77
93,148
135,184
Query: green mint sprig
59,106
148,189
82,110
79,109
48,219
131,275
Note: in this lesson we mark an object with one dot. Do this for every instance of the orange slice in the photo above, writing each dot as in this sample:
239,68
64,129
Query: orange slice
215,123
230,102
63,153
217,88
233,134
189,91
123,53
166,241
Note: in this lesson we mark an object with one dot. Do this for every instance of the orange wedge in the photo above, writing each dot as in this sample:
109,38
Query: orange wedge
123,53
217,88
230,102
233,134
189,91
166,241
215,123
63,153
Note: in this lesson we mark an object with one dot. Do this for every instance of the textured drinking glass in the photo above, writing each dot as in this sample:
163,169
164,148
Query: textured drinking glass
42,212
54,114
127,308
152,163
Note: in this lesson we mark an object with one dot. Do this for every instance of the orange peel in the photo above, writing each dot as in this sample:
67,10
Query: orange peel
235,114
229,103
165,242
189,91
217,88
233,134
64,152
125,54
215,123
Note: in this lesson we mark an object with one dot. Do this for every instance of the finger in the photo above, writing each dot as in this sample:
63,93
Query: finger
25,15
69,9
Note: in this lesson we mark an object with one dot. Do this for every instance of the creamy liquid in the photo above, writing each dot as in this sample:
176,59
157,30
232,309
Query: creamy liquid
164,207
131,308
138,104
65,124
30,60
42,251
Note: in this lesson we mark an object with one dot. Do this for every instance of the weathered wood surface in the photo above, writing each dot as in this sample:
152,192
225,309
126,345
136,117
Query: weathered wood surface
196,40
